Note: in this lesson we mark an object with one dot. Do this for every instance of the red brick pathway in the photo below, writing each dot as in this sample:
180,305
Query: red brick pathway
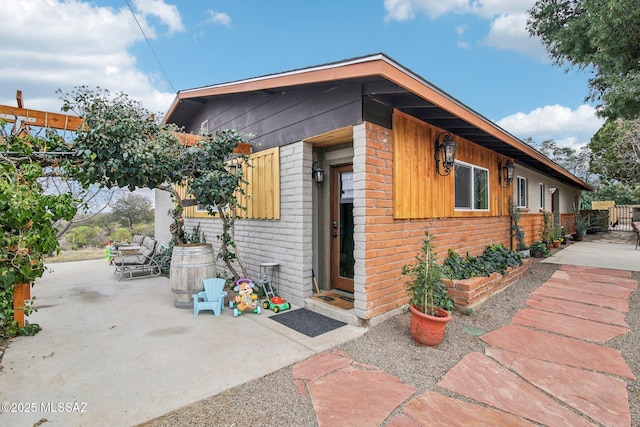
551,366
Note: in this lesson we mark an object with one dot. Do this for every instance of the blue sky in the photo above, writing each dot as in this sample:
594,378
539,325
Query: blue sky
478,51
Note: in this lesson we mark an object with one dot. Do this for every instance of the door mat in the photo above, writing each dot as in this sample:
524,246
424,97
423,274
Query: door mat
307,322
335,299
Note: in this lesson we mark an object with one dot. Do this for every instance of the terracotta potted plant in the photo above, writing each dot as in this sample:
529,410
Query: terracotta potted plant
556,237
429,301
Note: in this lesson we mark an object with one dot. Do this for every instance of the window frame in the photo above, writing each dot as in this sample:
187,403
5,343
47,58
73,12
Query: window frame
472,187
522,179
542,191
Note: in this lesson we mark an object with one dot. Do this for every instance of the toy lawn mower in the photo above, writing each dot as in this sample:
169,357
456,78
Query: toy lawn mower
276,304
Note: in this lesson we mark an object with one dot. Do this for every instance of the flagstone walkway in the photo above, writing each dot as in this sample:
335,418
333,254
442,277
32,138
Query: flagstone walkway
550,366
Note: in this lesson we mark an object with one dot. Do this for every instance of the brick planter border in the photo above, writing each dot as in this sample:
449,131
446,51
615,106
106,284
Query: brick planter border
470,293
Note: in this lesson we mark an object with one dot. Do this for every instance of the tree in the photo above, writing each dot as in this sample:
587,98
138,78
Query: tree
131,209
616,151
620,193
121,145
599,36
574,161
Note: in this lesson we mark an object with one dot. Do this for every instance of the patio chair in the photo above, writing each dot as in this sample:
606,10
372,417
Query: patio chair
212,298
139,265
636,229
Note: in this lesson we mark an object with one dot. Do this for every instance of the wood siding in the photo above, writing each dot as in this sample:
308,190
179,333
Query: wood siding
419,192
262,198
278,117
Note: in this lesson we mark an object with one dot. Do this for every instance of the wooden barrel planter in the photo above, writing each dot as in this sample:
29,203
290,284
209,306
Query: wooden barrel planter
190,264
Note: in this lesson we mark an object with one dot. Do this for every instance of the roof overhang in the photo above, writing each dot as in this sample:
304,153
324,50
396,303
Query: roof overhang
396,87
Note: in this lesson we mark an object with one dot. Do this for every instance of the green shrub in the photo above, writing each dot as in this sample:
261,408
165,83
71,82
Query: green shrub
496,258
121,234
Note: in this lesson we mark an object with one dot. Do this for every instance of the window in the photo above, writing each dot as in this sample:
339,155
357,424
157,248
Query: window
471,187
542,193
522,192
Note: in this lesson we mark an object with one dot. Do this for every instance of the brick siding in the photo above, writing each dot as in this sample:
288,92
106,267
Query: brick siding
389,244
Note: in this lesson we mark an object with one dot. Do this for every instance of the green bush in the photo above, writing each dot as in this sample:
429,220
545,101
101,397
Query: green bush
121,234
496,258
83,236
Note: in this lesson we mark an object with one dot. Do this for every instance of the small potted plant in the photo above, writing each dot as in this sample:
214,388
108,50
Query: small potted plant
539,249
429,301
556,237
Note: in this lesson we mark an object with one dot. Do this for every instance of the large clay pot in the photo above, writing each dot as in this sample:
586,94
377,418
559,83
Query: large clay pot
190,265
428,330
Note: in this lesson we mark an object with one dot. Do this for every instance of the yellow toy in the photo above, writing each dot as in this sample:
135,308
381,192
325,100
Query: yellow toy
246,298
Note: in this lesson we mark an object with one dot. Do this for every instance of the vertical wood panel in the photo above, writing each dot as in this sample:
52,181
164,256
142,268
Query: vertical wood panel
262,193
419,192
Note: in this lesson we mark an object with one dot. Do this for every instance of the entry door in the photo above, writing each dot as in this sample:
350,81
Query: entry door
342,260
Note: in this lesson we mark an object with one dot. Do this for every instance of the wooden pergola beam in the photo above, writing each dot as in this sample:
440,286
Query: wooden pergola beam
40,118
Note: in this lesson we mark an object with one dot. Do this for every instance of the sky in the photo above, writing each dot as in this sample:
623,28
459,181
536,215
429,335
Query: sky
478,51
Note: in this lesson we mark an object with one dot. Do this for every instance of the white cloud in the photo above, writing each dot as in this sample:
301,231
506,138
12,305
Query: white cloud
507,20
51,44
508,32
168,14
402,10
218,18
565,126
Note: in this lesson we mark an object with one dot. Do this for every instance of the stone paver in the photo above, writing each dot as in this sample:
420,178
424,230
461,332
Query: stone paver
583,297
626,282
332,386
546,367
431,406
597,288
558,349
601,397
586,330
579,310
478,377
320,365
580,270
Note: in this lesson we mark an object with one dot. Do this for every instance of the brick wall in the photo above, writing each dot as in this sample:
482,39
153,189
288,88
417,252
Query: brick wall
388,244
470,293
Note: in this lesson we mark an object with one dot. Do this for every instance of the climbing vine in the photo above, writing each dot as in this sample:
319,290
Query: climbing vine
27,223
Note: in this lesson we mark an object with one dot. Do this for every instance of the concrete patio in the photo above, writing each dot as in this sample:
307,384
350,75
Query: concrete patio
119,353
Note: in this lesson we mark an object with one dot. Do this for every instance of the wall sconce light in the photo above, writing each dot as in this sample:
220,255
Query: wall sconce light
505,173
317,173
448,147
552,190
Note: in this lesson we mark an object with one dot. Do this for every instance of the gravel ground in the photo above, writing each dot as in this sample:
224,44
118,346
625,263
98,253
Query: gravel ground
274,401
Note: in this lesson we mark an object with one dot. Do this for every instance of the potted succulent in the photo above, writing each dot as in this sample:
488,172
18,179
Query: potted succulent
429,301
582,225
